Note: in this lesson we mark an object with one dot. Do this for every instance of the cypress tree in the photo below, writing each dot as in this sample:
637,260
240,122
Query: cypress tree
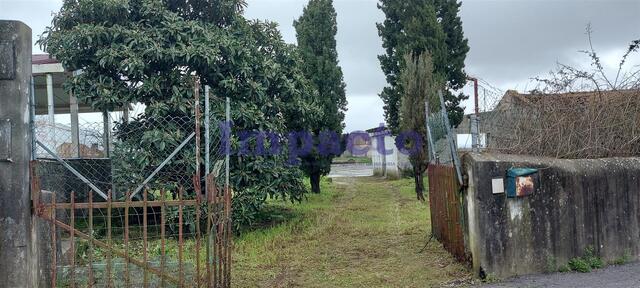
414,27
316,33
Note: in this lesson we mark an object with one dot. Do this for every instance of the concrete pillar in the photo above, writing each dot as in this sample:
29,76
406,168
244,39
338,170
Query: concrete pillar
75,125
106,134
125,113
18,247
50,101
474,120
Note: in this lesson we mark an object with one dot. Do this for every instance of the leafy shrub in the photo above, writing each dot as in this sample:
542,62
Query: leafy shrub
625,258
579,265
588,261
552,264
593,261
596,263
564,268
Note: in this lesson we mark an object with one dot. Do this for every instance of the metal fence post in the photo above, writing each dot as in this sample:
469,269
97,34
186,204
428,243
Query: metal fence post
228,145
207,132
432,152
106,135
32,118
452,143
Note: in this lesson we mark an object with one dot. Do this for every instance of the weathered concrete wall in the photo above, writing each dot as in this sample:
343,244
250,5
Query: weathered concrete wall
18,245
377,158
393,163
576,204
391,160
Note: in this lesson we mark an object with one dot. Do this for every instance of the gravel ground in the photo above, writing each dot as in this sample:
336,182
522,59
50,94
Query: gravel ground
613,276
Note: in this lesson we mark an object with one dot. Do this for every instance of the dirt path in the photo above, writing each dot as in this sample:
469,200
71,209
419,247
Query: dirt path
614,276
364,233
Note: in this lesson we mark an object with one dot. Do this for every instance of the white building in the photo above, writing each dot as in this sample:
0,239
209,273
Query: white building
387,160
70,140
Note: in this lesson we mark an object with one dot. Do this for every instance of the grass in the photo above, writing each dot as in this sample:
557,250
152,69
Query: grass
359,232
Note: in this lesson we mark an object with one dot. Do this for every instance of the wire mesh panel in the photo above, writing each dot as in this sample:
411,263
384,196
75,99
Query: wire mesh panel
442,142
130,201
438,133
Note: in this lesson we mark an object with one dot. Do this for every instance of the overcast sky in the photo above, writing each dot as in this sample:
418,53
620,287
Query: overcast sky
511,40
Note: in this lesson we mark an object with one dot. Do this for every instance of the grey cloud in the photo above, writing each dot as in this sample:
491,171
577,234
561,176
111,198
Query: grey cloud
514,40
37,14
357,40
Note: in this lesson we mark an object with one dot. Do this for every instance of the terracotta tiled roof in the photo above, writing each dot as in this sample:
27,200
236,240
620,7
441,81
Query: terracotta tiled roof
512,97
43,59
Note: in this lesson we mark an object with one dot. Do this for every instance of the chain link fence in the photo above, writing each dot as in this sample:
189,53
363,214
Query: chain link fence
442,139
137,201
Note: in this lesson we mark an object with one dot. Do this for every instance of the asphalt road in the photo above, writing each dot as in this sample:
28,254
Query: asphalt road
613,276
351,170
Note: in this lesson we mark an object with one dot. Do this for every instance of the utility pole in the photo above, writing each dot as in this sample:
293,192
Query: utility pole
475,118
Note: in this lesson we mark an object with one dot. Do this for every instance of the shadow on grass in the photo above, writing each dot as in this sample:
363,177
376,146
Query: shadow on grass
272,215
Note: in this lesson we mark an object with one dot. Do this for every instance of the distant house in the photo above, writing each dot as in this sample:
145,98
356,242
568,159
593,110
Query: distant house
509,123
52,101
359,144
392,162
513,99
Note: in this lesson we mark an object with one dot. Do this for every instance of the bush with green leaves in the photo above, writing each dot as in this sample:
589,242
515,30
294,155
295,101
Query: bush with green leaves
564,268
588,261
590,257
147,51
579,265
625,258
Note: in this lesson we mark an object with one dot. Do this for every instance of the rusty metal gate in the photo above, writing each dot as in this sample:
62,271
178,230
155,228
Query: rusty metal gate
121,244
138,202
446,211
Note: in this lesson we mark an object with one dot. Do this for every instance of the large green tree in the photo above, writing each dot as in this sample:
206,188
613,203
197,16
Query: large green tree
316,33
148,51
414,27
420,85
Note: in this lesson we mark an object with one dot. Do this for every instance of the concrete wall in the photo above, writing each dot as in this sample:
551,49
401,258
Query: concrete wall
18,241
391,160
576,204
377,159
390,165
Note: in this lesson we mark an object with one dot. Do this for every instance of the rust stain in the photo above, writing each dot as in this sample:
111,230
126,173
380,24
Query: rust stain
444,201
524,186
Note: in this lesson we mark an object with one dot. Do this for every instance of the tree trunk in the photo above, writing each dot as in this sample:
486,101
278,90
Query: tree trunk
419,184
314,180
